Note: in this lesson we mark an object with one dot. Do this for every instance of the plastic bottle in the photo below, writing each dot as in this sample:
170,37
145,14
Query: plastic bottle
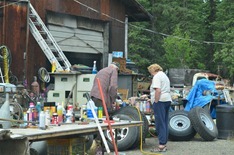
30,112
100,112
42,120
47,117
60,113
148,107
64,112
38,107
94,71
89,111
25,119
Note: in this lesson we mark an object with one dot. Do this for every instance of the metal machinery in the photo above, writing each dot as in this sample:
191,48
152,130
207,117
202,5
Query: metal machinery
5,113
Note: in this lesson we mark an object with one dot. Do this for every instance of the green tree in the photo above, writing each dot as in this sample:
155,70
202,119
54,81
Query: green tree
178,50
207,24
224,34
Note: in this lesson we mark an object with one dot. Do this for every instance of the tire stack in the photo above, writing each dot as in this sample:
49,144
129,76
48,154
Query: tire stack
184,125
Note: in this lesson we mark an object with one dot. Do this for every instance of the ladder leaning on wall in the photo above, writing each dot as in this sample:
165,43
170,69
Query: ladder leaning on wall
47,42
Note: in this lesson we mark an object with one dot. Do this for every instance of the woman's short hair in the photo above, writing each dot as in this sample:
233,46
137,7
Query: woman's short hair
154,68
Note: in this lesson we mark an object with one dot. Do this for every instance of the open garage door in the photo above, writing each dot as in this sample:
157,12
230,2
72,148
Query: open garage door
80,38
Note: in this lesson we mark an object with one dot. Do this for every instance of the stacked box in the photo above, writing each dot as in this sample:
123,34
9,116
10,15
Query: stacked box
66,146
122,62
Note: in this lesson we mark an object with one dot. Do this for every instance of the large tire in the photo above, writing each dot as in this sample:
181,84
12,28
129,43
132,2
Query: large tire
134,114
126,137
203,123
33,151
180,127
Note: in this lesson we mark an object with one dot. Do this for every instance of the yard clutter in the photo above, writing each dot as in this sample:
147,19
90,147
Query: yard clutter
197,116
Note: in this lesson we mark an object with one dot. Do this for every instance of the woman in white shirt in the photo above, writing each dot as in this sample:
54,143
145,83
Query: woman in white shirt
161,100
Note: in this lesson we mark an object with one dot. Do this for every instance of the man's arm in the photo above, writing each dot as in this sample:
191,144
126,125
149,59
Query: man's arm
113,85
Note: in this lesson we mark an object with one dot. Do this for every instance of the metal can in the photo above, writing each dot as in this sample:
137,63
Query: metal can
55,118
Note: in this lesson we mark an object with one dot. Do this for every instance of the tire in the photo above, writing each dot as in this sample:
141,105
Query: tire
33,151
180,127
203,123
40,147
126,137
133,113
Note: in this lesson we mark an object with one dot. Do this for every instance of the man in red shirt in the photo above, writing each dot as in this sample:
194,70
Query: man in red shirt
108,77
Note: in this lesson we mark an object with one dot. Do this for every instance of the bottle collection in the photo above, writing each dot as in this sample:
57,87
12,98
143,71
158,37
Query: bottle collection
43,115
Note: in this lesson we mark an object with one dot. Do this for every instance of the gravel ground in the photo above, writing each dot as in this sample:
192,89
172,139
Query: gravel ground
194,147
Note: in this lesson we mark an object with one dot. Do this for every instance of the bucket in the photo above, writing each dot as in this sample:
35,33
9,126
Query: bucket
225,121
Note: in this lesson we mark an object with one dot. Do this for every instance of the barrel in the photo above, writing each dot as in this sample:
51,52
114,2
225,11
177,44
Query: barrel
225,121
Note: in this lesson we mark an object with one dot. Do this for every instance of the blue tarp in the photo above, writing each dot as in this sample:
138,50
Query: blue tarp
197,98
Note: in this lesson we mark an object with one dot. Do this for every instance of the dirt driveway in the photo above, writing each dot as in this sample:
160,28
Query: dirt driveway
194,147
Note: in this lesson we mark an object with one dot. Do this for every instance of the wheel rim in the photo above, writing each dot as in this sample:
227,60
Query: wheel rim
180,123
207,122
121,134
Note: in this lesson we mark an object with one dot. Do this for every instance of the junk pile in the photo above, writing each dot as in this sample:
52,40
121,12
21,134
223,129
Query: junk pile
198,113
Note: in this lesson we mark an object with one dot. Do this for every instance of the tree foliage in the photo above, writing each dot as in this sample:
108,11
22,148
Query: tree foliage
206,27
178,50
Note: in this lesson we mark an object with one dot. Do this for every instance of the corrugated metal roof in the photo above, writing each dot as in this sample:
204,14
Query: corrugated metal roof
136,12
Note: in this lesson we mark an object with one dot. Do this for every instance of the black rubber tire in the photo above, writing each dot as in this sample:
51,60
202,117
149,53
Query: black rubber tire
33,151
129,135
134,114
180,127
203,123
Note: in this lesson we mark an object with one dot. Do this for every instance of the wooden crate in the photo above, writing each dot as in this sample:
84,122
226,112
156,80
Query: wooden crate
66,146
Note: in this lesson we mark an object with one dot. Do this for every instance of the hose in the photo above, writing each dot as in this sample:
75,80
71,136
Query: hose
6,60
5,64
141,136
43,75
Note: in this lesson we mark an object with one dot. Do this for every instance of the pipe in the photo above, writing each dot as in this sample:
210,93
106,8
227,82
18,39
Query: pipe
107,116
126,38
91,104
18,121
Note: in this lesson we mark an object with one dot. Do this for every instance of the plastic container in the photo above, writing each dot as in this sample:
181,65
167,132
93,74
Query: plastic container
94,71
100,112
60,113
89,111
38,107
47,117
147,107
42,120
225,121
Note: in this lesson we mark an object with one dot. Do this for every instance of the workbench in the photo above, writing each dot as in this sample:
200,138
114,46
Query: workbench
20,138
35,134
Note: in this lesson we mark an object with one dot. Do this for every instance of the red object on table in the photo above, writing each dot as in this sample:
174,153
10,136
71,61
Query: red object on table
107,116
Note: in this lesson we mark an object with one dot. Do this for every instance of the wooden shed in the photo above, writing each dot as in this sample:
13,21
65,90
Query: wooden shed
86,30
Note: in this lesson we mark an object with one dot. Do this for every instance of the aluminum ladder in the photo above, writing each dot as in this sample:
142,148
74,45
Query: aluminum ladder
47,42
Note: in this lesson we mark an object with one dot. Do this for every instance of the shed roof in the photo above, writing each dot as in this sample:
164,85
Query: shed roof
136,12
